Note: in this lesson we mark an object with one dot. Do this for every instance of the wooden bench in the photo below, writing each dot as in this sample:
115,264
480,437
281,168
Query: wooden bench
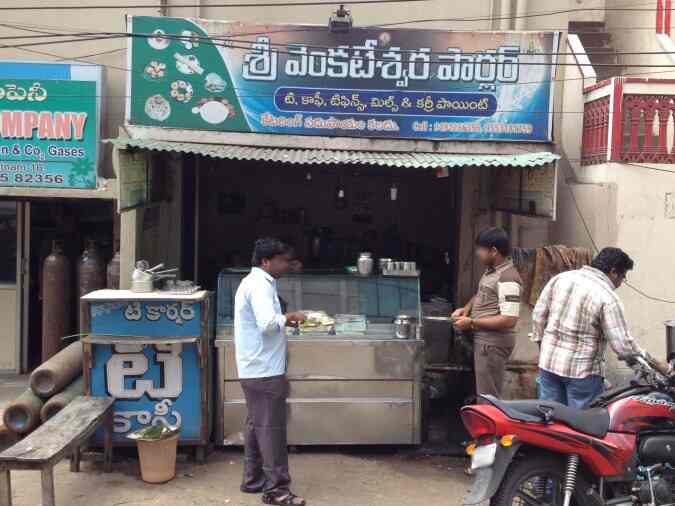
62,436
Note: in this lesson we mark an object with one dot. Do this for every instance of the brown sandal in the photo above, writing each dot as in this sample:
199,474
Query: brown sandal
289,499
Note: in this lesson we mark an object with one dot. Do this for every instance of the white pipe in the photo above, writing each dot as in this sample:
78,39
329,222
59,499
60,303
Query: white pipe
521,8
505,15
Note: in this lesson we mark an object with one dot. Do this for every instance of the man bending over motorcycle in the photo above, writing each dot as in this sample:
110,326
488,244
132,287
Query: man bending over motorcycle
577,314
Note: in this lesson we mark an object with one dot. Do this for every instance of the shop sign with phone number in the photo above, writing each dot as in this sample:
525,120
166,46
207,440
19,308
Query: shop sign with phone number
48,133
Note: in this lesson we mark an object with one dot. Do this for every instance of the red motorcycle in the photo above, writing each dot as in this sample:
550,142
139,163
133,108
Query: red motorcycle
619,452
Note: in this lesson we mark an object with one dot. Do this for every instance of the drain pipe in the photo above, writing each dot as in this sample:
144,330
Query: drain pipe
521,10
505,15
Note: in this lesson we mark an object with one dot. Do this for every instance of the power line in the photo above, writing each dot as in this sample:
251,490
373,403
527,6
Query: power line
521,83
125,69
229,45
207,40
23,26
299,29
332,4
75,58
197,4
590,235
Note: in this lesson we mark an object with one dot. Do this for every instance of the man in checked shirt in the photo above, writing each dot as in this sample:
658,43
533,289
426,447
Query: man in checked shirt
577,314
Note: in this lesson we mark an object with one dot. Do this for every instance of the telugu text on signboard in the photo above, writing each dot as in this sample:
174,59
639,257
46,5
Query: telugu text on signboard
372,82
48,133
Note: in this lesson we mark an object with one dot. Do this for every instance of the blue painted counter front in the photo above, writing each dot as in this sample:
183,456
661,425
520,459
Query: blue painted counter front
162,382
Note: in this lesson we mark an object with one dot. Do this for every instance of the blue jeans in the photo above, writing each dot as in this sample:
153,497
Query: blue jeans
574,392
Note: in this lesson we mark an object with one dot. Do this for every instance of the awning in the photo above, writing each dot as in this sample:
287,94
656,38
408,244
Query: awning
329,156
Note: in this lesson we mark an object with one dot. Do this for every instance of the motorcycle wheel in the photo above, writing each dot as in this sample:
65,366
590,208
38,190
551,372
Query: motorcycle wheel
538,481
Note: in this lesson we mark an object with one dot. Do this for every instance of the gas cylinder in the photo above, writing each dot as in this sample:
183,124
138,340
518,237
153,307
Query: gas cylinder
56,301
113,272
90,275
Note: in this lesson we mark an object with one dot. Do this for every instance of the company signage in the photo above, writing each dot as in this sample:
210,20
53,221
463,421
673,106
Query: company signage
49,125
295,79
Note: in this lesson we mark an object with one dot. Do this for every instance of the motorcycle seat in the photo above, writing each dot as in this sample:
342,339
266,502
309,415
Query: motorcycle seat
594,422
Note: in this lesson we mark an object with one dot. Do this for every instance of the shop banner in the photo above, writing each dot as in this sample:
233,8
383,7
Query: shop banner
48,132
369,82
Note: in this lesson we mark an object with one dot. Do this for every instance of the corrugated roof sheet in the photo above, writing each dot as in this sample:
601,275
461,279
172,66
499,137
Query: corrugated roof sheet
328,156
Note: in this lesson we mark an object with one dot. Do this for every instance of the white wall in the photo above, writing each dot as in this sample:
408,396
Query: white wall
628,210
634,31
363,15
646,231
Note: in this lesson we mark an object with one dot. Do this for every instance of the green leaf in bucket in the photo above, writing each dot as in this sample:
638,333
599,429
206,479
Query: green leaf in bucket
153,433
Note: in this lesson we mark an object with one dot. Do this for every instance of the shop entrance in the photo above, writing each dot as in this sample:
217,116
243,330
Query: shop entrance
331,213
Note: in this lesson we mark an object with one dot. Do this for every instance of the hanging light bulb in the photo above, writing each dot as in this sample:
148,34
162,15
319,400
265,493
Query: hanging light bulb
308,177
340,189
340,200
393,192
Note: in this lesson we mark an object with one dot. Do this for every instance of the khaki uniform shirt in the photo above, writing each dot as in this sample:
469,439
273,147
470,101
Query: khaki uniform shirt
499,293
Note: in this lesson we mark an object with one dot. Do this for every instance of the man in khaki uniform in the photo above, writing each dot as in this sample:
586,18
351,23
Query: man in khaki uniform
492,314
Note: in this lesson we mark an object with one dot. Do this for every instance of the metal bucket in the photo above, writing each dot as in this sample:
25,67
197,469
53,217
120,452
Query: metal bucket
670,339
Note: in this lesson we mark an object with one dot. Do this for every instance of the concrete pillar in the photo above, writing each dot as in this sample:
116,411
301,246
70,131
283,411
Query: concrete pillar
130,224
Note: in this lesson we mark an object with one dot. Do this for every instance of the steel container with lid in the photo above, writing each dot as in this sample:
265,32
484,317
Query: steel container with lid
365,264
405,327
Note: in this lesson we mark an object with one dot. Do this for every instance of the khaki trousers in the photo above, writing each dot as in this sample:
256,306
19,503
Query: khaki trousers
489,367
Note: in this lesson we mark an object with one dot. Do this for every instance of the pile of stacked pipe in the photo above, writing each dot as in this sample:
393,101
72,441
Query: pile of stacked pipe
52,386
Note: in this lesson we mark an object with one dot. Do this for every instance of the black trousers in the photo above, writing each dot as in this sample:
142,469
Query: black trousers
265,446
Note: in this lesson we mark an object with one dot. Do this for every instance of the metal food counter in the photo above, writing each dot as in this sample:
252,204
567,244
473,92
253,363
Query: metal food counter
344,388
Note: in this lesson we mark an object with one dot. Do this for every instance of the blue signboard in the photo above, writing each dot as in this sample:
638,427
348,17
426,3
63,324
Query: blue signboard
151,319
368,82
152,384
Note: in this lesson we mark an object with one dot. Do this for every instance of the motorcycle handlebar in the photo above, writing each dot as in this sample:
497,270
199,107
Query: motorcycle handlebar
648,364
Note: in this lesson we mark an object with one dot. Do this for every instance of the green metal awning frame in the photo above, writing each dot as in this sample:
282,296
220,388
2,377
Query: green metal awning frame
336,157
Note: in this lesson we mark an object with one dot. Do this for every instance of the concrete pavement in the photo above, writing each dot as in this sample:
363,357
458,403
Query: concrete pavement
325,477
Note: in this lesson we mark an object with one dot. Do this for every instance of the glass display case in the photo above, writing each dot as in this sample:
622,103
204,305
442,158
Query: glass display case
346,387
379,298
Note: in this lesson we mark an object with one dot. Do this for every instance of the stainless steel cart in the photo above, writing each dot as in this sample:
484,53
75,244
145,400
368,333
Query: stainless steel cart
344,389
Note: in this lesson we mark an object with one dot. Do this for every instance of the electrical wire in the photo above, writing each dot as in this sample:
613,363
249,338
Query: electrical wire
207,40
26,26
80,59
210,39
650,73
228,45
197,4
332,4
591,239
570,79
299,29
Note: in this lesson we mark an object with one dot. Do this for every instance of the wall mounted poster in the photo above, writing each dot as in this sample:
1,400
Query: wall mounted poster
369,82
